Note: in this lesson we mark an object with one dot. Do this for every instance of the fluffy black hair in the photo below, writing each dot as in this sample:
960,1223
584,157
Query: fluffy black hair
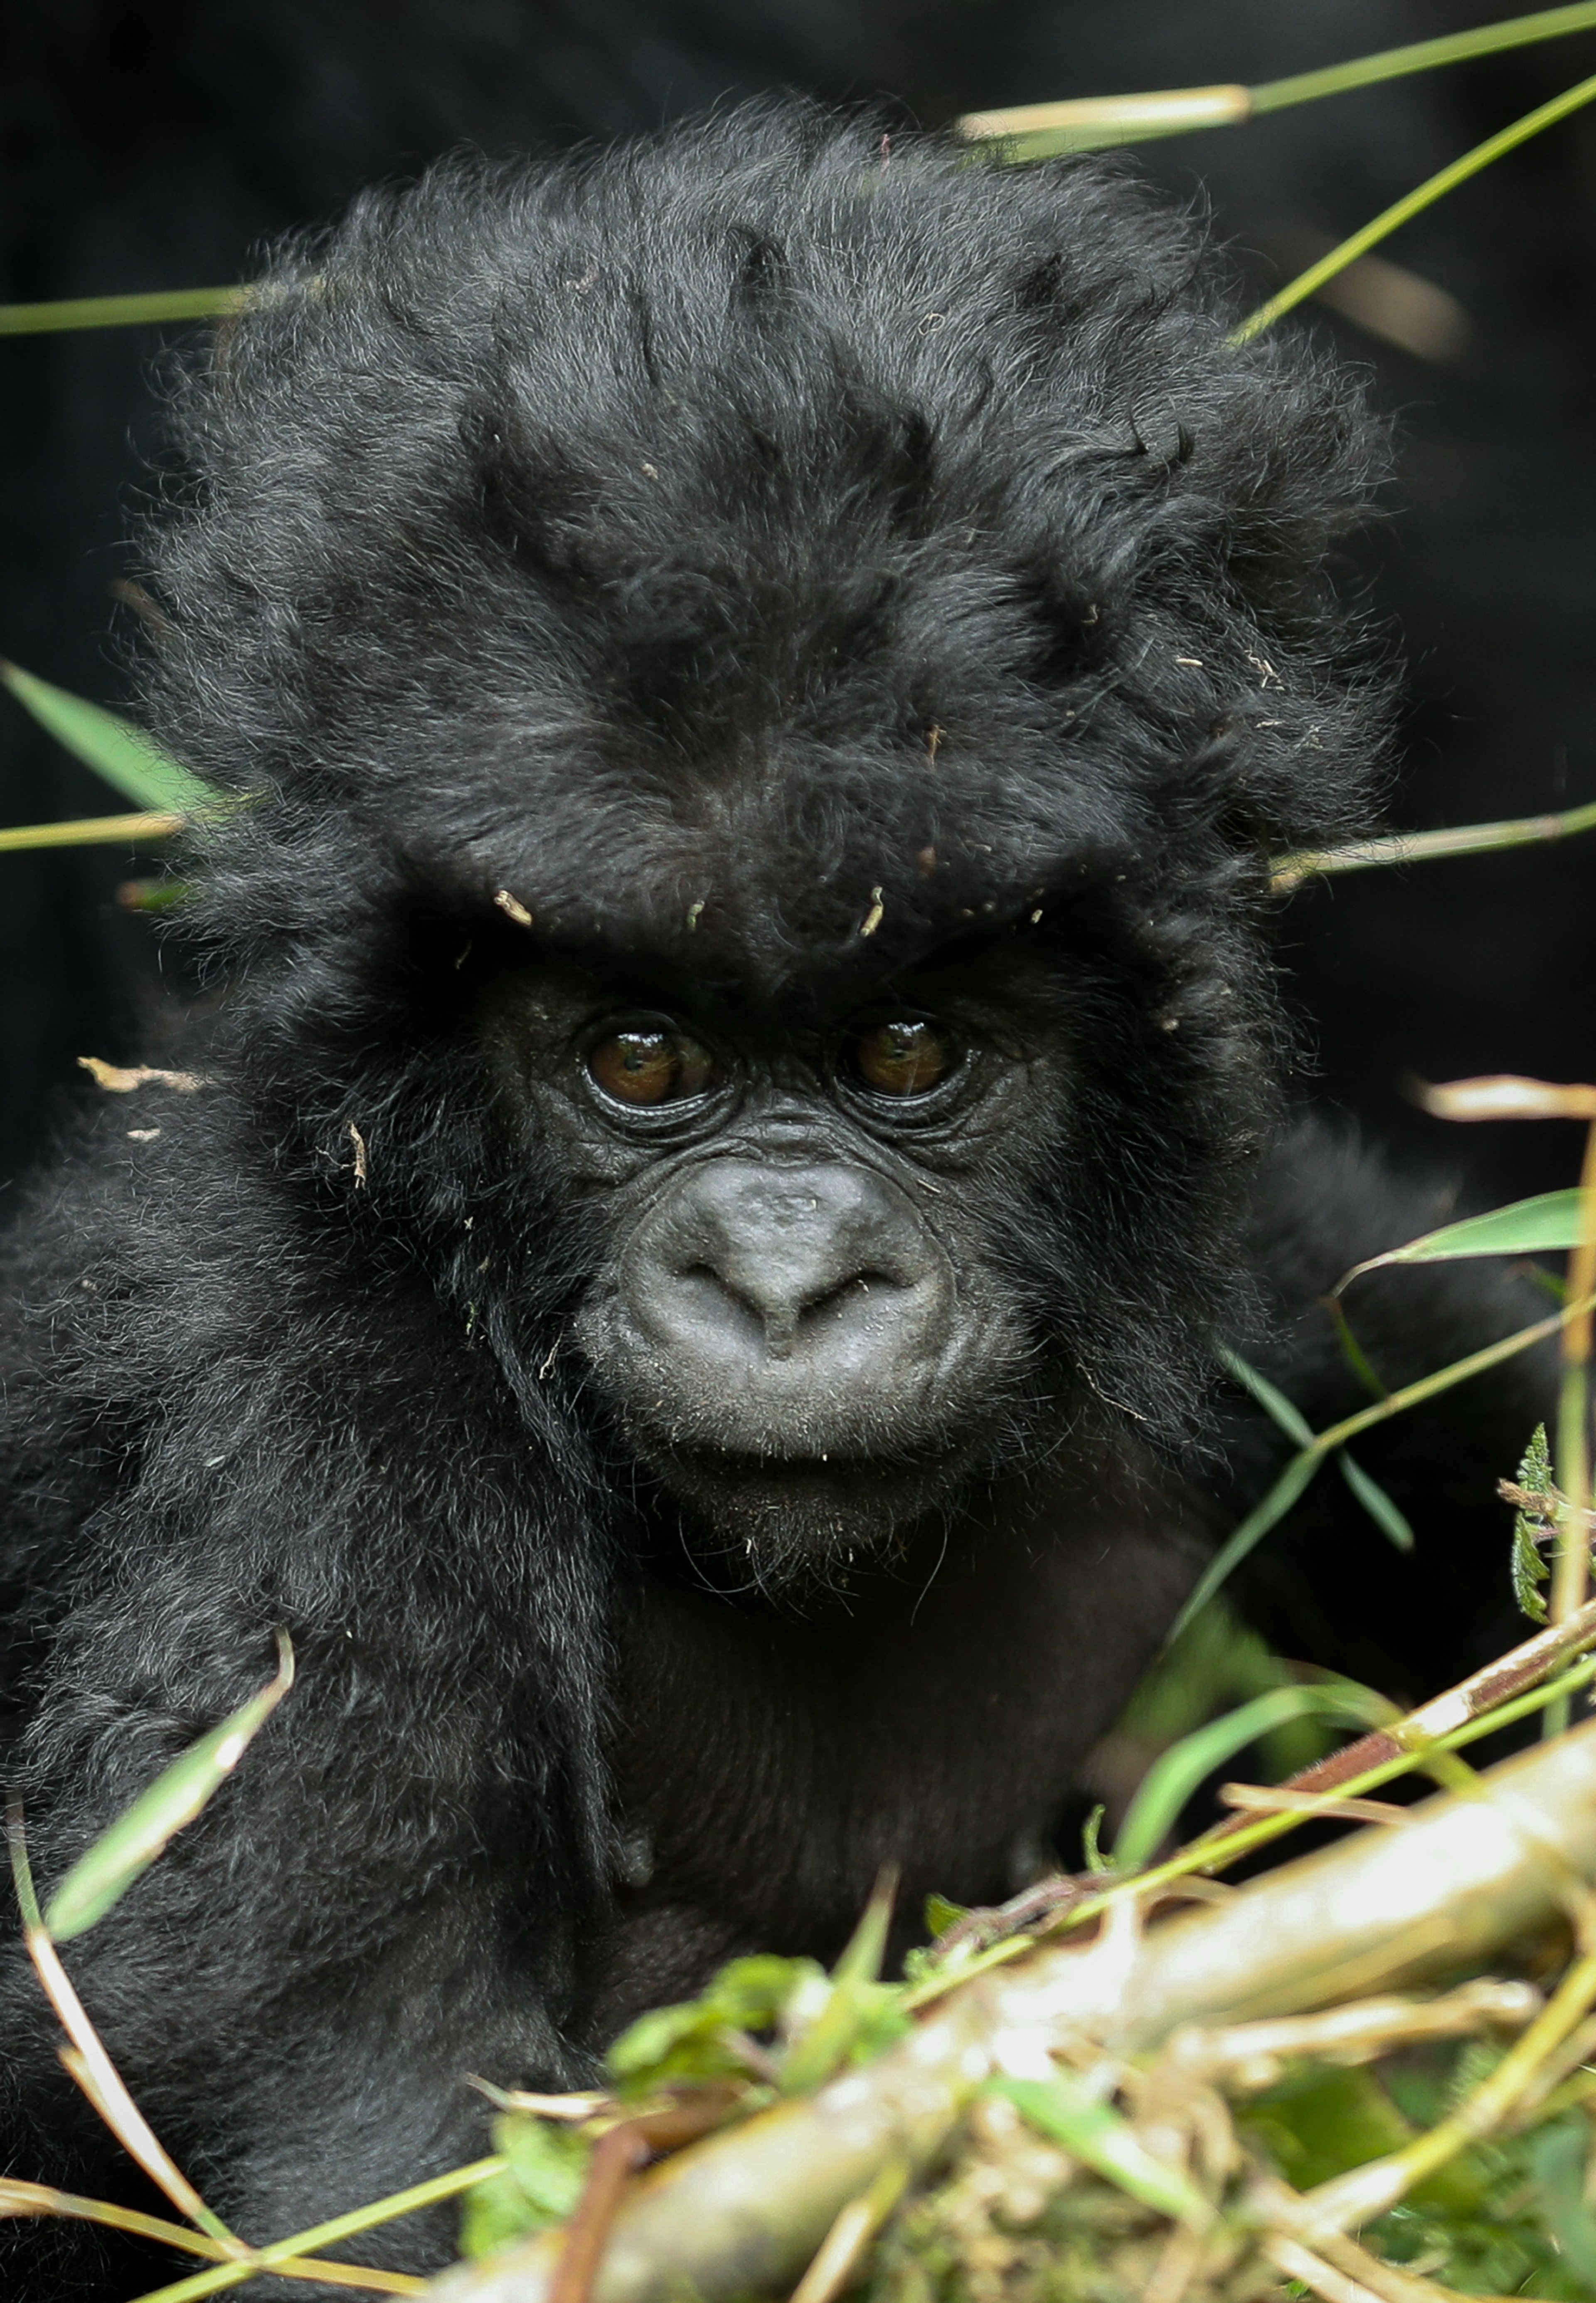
759,560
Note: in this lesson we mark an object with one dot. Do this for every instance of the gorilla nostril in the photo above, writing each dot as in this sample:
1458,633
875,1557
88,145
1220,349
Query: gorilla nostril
754,1263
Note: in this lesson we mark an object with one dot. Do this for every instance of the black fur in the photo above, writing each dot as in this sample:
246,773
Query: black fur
793,565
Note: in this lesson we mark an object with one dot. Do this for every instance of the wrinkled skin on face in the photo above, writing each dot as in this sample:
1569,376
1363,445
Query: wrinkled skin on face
801,1321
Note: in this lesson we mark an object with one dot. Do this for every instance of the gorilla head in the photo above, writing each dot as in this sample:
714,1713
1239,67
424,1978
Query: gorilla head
767,672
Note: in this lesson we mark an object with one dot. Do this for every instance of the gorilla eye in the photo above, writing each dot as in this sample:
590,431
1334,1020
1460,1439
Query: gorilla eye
652,1064
905,1056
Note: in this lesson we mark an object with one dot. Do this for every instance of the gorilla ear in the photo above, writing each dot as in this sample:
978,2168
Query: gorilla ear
533,497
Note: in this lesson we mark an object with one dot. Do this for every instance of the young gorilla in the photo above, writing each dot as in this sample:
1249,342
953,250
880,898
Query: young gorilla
765,668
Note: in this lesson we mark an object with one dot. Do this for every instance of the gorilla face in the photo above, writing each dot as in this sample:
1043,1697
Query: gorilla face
801,1317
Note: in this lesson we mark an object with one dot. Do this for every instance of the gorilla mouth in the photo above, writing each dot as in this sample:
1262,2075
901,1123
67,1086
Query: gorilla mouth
795,1518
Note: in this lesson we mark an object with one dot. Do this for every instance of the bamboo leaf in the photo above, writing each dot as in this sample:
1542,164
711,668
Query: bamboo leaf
112,746
1171,1779
1272,1401
1537,1227
1094,2132
108,1868
1385,1512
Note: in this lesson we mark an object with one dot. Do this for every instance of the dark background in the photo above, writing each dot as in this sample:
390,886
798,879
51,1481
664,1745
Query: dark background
159,145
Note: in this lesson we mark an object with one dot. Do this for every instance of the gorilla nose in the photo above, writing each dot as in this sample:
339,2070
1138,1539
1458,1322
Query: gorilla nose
825,1264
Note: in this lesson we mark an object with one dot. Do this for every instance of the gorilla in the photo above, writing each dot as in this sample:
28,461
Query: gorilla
757,677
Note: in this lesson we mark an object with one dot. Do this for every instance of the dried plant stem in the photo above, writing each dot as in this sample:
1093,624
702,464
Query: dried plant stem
92,2068
1523,1666
1290,871
282,2252
1035,132
1574,1420
94,831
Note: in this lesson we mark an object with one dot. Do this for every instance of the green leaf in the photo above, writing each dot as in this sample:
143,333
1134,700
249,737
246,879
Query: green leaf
695,2041
1537,1227
1317,2122
542,2183
1251,1533
1531,1528
1172,1778
112,746
1385,1514
104,1873
1096,2134
1275,1403
941,1915
1096,1862
866,1947
1559,2156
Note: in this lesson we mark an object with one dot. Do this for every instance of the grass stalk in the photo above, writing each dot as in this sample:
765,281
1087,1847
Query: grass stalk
162,304
436,2189
1289,871
1422,196
1306,1463
94,831
1039,132
1372,2190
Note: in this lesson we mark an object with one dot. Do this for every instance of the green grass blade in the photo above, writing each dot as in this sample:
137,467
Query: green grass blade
111,746
1426,55
1385,1512
1536,1226
1171,1779
1273,1401
1252,1531
1412,203
118,1857
1088,124
1096,2134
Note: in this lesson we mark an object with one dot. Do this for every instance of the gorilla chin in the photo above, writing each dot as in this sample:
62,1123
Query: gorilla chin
800,1528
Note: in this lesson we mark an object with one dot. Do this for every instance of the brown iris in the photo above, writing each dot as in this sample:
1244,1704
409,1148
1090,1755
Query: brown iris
904,1056
652,1064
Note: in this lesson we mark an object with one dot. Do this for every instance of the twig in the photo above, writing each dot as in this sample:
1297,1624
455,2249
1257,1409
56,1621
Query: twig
92,2068
1277,1799
1425,846
617,2156
845,2243
1523,1667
